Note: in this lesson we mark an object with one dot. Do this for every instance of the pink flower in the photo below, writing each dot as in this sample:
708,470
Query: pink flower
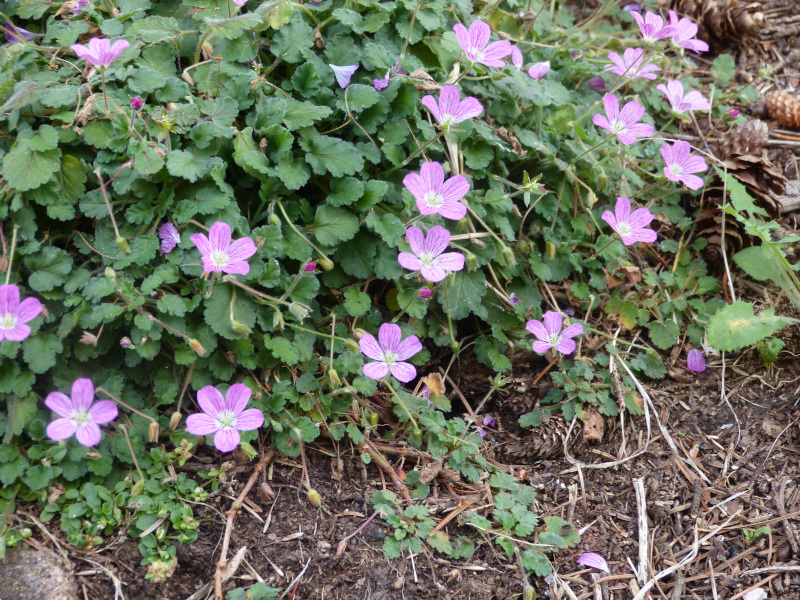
539,70
597,84
380,84
593,560
695,361
240,2
516,56
730,116
100,52
549,334
80,415
630,65
685,31
219,254
137,103
169,236
652,27
343,74
390,353
17,35
424,293
451,109
631,228
428,257
474,44
310,267
14,314
514,299
623,123
692,101
434,195
680,164
79,8
224,417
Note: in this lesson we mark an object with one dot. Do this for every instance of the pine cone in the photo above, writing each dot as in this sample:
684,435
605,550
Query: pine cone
725,21
748,138
784,108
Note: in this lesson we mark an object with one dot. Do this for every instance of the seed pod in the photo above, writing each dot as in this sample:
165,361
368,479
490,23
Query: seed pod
174,420
472,262
241,328
123,246
359,333
314,498
524,246
197,347
277,321
550,249
325,262
248,450
353,346
110,273
334,377
508,257
274,220
153,430
298,310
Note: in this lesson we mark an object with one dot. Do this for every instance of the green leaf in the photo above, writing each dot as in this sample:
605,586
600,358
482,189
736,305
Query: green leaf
39,476
148,161
218,310
182,163
332,225
50,267
234,27
345,191
25,168
172,305
736,326
293,172
331,155
665,335
282,349
41,351
464,295
356,302
292,39
724,68
359,97
12,465
536,562
145,80
302,114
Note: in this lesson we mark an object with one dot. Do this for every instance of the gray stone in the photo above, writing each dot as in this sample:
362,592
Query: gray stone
28,574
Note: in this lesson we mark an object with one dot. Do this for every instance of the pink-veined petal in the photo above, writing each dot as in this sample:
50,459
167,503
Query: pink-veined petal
219,236
622,209
9,299
609,218
242,249
537,329
495,53
103,411
640,218
416,239
430,103
376,370
469,108
516,56
416,185
454,189
409,261
389,336
462,36
573,330
249,419
593,560
541,347
238,267
88,434
201,424
408,348
452,210
432,174
17,334
370,347
626,138
693,182
432,273
449,99
203,245
666,152
692,164
611,105
403,371
601,121
226,440
450,261
479,34
211,401
59,403
565,346
82,393
640,130
647,236
437,240
237,397
631,113
60,429
552,322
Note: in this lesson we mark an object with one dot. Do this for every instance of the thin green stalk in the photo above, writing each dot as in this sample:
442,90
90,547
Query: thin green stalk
403,405
616,339
317,333
297,231
256,293
453,342
11,253
595,147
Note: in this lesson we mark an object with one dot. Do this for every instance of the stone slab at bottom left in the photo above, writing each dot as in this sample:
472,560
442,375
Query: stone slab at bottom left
28,574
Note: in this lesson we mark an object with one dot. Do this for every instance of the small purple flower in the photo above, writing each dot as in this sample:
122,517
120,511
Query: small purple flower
685,31
169,236
434,195
126,342
240,2
652,27
224,417
692,101
631,227
594,561
79,7
424,293
549,334
633,6
475,44
695,360
623,123
380,84
310,267
100,52
597,84
481,432
514,299
489,421
680,164
219,254
730,116
137,103
539,70
516,56
343,74
451,109
630,65
80,415
14,314
390,353
428,257
17,35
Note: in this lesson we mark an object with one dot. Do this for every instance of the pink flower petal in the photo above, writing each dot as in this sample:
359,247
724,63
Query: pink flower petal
226,440
17,334
416,239
103,411
389,336
201,424
430,103
696,361
408,347
541,347
552,322
9,299
416,185
611,104
242,249
237,397
88,434
376,370
622,209
537,329
219,236
60,429
235,268
59,403
249,419
453,210
462,36
565,346
82,393
437,240
433,273
450,261
432,174
573,330
403,371
409,261
201,241
369,346
479,34
593,560
211,401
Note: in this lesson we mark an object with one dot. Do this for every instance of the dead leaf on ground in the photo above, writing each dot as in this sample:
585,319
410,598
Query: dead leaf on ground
592,424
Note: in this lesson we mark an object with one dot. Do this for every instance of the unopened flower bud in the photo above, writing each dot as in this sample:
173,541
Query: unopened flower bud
123,246
514,299
298,310
197,347
602,183
424,293
358,333
174,420
334,377
314,498
278,427
550,249
137,103
274,220
153,431
374,419
352,345
110,273
591,199
508,257
137,488
248,450
208,50
25,532
479,243
277,321
524,246
310,267
472,262
730,116
241,328
126,342
455,347
325,262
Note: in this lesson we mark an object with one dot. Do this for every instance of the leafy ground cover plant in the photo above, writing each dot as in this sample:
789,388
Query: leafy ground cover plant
224,205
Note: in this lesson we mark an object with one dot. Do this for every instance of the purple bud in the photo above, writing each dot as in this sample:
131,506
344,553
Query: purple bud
597,84
137,103
424,293
125,342
380,84
78,9
481,432
593,560
570,312
695,360
310,267
514,299
633,6
489,421
539,70
730,115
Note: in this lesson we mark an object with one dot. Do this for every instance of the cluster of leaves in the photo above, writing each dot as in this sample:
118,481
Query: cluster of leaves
242,122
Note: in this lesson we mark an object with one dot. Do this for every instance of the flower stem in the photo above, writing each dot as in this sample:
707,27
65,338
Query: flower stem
449,318
595,147
105,96
256,293
616,339
297,231
585,260
133,454
11,253
130,408
317,333
400,401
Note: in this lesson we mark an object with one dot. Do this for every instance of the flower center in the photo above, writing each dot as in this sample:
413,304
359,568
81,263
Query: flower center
426,258
618,127
226,420
389,358
676,170
80,416
624,229
433,199
8,322
554,339
446,121
219,258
